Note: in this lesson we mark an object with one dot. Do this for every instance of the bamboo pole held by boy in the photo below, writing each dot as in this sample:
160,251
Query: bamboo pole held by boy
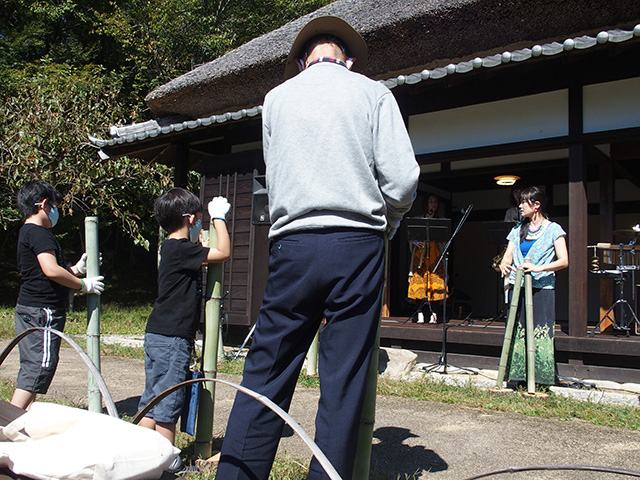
206,399
93,311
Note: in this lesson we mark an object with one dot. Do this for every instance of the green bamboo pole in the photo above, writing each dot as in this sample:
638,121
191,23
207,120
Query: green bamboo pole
362,461
206,399
93,311
531,347
508,333
220,341
312,356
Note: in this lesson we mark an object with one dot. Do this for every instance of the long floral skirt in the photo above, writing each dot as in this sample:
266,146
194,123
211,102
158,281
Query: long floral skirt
544,318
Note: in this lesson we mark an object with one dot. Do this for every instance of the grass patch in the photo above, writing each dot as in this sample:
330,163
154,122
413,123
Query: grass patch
114,320
471,396
231,366
7,322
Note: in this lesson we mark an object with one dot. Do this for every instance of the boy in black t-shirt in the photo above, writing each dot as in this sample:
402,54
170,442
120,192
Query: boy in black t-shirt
44,289
172,324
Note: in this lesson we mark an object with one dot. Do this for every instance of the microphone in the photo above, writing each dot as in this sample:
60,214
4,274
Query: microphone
430,211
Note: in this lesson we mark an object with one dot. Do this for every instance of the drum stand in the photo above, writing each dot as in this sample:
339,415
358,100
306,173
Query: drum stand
624,327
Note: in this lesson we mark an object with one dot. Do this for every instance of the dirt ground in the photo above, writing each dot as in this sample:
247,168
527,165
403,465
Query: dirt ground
437,441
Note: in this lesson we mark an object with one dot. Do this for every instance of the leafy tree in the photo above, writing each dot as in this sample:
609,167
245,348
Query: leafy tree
73,67
162,40
48,110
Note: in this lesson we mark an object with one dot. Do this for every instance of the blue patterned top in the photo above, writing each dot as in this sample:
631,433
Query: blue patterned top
541,252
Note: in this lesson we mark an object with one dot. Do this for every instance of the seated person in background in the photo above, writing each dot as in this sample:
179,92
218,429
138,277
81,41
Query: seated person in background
425,285
513,212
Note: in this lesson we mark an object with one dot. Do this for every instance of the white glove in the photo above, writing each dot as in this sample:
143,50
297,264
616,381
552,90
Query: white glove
93,285
81,266
218,208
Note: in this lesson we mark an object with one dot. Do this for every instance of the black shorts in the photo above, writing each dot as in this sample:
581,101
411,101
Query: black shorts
38,350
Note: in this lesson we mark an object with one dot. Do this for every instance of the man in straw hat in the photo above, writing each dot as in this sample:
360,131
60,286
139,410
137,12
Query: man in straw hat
340,173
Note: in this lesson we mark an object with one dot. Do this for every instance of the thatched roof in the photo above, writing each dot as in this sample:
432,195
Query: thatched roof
403,36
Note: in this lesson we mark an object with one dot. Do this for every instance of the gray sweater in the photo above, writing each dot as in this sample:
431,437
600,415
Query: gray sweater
337,153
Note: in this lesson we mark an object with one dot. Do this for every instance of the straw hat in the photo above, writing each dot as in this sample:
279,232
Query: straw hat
327,25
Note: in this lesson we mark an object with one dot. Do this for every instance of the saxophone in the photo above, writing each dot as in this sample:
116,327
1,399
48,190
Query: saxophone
423,250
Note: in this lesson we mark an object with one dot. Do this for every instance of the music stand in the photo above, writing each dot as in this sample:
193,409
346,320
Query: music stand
422,229
442,361
497,235
497,232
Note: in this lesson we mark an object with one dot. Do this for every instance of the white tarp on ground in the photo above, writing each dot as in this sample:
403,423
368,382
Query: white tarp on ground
53,441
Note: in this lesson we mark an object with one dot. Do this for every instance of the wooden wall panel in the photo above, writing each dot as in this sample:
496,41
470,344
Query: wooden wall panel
245,272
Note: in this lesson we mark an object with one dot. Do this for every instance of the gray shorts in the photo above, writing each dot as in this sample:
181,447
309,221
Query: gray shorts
166,363
38,350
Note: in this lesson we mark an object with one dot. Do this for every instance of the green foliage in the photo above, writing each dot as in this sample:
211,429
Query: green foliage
158,41
48,110
71,68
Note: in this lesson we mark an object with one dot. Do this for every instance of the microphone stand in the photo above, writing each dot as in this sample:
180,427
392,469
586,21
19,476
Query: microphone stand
442,361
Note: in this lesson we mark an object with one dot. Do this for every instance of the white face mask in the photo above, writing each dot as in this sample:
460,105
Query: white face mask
53,214
194,231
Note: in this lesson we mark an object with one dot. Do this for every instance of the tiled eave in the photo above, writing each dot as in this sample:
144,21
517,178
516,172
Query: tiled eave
134,135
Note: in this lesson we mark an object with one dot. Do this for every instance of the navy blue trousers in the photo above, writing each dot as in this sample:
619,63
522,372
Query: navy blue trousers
332,274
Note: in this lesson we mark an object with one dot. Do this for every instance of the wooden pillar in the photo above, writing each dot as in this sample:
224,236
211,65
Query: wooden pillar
181,166
578,217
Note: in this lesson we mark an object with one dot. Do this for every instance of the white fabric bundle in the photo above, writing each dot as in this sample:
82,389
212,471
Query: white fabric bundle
57,442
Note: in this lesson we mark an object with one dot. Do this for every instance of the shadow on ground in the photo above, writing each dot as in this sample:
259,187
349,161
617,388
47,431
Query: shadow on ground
128,406
395,459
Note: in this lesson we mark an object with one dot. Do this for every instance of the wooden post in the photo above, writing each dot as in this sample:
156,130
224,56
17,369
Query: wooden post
578,219
181,168
607,223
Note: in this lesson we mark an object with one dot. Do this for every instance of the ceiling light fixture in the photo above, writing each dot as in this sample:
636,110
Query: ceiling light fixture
507,180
